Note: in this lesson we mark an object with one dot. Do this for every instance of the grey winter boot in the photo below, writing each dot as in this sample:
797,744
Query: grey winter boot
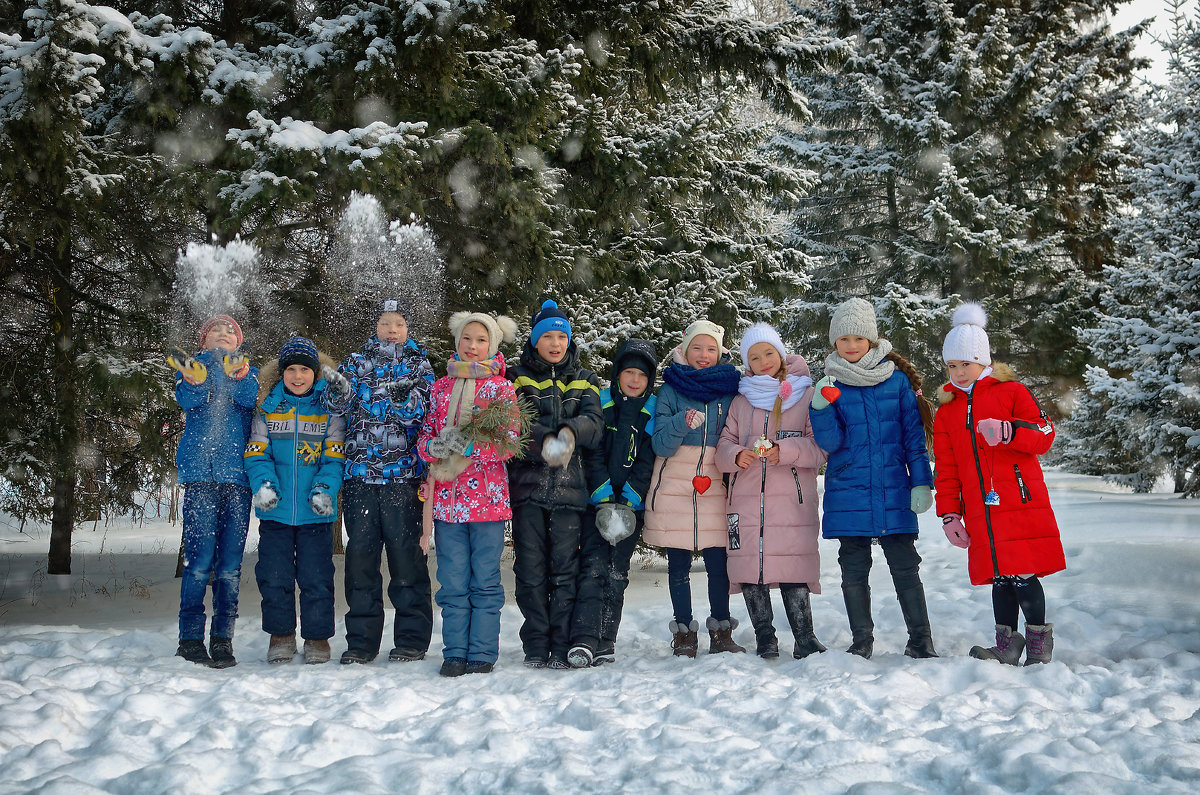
858,611
720,636
758,605
916,618
1041,643
683,639
281,649
798,606
1008,648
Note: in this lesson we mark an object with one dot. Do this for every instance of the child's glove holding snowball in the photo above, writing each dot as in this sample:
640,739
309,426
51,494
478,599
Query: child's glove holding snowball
615,522
266,498
557,448
956,531
321,502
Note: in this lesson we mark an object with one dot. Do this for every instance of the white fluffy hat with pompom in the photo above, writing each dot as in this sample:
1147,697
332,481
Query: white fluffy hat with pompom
501,328
967,341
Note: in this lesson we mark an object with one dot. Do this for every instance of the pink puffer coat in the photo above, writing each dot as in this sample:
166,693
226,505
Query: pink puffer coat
773,520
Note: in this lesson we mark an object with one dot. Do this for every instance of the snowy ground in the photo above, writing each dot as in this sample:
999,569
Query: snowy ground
92,700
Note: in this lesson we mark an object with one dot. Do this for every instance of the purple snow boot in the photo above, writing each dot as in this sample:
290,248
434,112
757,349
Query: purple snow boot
1008,648
1041,643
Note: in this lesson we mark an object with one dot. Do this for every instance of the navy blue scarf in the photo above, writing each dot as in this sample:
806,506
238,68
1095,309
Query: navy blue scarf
706,384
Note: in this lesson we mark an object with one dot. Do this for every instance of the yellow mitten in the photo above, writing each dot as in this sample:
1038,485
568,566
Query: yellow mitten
236,366
193,371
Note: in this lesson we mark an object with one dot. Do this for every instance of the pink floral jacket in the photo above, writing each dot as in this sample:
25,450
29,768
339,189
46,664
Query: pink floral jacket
480,493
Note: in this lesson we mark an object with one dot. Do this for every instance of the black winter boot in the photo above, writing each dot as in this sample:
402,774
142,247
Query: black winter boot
222,652
916,618
758,605
194,652
858,611
798,606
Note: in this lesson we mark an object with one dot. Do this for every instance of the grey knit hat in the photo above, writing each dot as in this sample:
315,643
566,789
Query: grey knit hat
854,316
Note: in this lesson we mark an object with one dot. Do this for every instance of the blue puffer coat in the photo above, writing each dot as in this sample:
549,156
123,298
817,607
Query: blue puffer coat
297,446
219,412
877,453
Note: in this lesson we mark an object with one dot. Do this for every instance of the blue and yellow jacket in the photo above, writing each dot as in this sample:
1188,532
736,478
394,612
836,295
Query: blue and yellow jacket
299,447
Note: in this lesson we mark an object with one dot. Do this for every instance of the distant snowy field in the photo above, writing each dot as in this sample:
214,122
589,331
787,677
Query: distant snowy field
92,700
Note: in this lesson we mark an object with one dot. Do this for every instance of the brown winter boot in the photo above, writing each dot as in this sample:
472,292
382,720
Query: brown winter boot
1008,648
720,636
684,640
282,649
1041,643
316,651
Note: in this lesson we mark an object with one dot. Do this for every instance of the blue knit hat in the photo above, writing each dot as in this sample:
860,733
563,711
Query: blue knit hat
549,318
299,350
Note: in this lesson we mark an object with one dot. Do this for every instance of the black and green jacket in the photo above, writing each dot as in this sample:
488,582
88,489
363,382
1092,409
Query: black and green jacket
565,395
620,468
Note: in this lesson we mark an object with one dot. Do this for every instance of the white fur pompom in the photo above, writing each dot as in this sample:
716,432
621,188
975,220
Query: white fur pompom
457,321
508,327
969,314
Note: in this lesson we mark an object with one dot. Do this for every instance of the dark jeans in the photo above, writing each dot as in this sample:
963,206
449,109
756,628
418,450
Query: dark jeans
900,551
600,590
385,518
470,592
216,517
291,555
546,565
679,582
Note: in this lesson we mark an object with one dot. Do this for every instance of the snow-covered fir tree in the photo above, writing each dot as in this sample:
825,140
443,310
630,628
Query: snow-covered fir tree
968,149
84,253
1138,419
569,149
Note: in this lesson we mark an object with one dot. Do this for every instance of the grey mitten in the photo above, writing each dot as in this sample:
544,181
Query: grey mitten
447,443
335,382
399,390
558,448
615,522
266,498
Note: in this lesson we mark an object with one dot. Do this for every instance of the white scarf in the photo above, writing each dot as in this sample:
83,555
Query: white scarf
761,390
971,386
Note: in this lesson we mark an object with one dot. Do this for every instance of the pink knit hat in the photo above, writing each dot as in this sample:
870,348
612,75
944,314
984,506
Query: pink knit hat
221,319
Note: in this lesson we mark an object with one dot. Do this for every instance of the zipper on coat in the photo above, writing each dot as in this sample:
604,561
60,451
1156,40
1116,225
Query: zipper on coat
1025,495
987,509
762,505
696,494
799,491
658,484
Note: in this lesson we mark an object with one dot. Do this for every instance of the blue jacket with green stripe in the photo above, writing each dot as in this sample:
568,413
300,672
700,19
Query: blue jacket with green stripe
565,396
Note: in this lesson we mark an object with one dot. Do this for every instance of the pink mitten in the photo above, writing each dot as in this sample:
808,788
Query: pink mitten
995,432
693,418
956,531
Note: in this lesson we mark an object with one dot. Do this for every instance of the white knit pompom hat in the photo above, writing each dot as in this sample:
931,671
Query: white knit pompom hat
501,328
967,341
761,332
854,316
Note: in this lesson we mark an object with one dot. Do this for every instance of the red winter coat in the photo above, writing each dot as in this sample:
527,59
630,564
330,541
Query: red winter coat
480,493
1020,534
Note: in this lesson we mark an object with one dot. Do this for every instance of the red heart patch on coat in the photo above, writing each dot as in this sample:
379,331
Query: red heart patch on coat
831,393
701,483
